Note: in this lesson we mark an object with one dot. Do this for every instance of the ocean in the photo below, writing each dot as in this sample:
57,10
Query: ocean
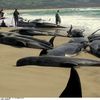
85,18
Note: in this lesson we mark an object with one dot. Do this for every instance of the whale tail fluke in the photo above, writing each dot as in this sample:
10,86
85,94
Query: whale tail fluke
73,88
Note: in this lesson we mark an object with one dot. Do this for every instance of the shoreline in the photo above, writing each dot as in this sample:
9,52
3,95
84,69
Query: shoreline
27,9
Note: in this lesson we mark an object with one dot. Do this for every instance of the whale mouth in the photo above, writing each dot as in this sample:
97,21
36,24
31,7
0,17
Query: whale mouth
70,55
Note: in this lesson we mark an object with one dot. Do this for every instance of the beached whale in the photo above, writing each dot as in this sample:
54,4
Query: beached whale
95,47
38,23
94,43
66,49
73,87
75,32
24,41
56,61
35,32
48,25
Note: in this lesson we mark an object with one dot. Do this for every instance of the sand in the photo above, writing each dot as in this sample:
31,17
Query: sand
37,81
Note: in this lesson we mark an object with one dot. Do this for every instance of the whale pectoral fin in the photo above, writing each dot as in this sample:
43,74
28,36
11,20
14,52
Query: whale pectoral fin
69,64
73,88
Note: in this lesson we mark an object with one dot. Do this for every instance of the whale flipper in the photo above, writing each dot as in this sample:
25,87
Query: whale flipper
73,88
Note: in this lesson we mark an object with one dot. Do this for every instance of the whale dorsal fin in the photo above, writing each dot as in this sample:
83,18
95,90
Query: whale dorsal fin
52,41
70,30
43,52
73,88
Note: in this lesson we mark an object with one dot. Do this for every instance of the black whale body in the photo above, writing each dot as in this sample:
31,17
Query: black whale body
72,48
56,61
27,41
35,32
38,24
95,47
66,49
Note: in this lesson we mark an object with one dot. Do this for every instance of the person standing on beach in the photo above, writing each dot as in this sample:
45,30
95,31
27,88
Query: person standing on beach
57,17
16,16
1,14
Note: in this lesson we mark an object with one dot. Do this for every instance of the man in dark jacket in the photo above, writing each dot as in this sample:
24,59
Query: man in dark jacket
58,19
1,14
16,15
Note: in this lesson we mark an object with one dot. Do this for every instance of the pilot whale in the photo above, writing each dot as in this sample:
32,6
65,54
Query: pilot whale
66,49
56,61
18,40
36,32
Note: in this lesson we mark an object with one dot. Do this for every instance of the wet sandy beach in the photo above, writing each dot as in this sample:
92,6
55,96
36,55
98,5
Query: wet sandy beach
37,81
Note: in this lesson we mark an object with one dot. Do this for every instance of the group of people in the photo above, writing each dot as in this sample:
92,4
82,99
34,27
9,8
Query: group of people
2,17
16,17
